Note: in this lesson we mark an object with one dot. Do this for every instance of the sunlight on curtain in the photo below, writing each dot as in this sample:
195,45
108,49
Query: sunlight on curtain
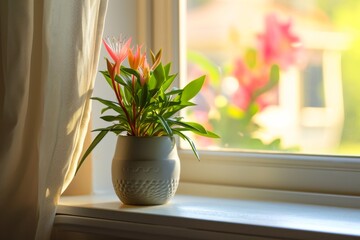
48,60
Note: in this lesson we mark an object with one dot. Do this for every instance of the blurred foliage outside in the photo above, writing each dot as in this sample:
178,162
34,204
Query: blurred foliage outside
344,15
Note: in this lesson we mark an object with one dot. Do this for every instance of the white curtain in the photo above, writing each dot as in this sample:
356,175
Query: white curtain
49,51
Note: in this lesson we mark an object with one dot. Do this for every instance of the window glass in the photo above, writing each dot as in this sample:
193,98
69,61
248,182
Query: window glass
282,75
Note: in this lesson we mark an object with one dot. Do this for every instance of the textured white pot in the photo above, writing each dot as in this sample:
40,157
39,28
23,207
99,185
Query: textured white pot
145,170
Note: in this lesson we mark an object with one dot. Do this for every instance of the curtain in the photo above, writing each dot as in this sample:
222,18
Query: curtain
49,51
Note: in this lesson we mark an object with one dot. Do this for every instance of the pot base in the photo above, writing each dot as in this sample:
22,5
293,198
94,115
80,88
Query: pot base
145,192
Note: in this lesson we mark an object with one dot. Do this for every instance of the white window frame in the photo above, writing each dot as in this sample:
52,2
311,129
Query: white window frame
159,27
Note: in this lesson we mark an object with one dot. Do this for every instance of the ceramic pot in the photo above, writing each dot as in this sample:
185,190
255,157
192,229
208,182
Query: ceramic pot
145,170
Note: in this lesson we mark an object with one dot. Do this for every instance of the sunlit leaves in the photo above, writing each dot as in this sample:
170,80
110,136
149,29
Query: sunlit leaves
150,107
109,104
95,142
192,89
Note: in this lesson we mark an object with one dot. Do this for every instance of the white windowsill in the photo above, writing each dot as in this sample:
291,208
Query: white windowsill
203,217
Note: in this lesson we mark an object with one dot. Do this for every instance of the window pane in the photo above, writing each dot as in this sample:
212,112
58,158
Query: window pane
282,75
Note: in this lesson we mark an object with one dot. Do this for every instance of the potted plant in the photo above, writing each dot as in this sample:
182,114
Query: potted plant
145,167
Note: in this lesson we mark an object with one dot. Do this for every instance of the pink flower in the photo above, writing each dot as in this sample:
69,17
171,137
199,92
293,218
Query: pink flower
118,50
241,98
278,44
250,81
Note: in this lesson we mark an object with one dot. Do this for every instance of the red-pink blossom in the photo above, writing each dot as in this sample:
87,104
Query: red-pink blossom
118,50
278,44
250,80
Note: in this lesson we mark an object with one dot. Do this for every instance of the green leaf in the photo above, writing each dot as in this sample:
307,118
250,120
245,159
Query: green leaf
174,91
144,96
208,134
152,82
108,103
189,126
95,142
166,84
192,88
109,118
107,78
127,94
167,68
126,84
132,72
161,96
197,126
174,107
105,109
120,80
165,125
192,145
193,127
159,74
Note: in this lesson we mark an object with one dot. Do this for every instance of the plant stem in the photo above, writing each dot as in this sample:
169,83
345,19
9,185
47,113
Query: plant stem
120,100
147,128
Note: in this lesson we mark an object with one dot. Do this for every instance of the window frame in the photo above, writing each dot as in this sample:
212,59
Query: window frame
291,172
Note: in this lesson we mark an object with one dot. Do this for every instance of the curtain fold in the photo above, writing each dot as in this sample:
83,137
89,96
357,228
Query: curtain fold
49,53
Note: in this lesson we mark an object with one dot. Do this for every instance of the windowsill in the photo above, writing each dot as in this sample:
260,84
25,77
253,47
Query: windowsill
204,217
